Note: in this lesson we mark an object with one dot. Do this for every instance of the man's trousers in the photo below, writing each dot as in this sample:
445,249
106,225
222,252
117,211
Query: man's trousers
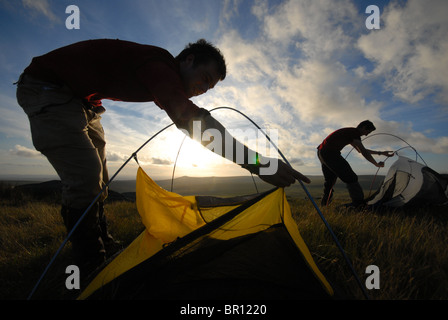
67,130
334,166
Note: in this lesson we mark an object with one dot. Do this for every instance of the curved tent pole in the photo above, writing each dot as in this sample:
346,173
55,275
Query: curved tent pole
314,204
175,162
395,136
134,155
387,134
183,140
392,135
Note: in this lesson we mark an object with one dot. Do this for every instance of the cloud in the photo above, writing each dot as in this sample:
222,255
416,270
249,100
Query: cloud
290,70
296,162
41,7
247,61
22,151
323,92
305,68
229,10
161,161
116,156
305,73
410,50
423,143
13,122
314,27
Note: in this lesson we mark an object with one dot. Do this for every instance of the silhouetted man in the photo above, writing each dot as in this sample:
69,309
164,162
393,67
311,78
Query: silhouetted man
61,92
334,166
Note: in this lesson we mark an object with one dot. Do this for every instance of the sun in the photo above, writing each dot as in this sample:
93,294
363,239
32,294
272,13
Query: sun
188,157
194,155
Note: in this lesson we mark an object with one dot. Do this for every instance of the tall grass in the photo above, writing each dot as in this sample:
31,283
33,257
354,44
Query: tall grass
409,247
32,231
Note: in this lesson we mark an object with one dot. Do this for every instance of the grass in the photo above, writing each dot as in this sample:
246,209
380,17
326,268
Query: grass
32,231
408,246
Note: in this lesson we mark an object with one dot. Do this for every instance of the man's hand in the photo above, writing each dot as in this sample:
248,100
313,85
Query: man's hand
380,164
284,176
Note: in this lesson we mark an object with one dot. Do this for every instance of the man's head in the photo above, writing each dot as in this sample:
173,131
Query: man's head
366,127
201,66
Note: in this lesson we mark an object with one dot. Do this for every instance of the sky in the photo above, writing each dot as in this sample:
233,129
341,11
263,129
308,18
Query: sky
299,69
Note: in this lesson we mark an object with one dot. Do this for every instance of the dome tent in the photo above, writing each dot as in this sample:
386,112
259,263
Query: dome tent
409,182
211,248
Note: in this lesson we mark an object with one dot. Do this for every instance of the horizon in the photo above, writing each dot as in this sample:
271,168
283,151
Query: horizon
223,186
303,68
46,178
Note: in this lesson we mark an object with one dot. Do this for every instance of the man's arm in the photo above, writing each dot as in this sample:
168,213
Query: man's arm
212,134
166,87
381,153
357,144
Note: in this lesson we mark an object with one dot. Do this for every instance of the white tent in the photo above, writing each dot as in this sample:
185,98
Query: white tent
409,182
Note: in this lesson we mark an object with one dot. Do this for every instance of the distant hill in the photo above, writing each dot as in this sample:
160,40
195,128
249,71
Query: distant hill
230,186
217,186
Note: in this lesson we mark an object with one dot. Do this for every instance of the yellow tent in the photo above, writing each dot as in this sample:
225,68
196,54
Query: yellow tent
207,247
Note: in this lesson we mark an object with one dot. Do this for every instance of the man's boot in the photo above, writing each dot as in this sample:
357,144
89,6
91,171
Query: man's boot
87,244
327,197
111,245
356,193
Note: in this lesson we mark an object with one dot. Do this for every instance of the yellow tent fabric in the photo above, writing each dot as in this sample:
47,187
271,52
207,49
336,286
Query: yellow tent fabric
168,216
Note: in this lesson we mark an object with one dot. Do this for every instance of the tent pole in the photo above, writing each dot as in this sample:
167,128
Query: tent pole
314,204
134,155
336,241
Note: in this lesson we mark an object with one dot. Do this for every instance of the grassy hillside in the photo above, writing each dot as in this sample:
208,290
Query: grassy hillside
408,246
